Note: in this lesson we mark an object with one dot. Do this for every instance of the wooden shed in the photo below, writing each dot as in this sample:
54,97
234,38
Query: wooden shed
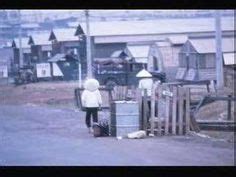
197,58
41,48
25,50
65,41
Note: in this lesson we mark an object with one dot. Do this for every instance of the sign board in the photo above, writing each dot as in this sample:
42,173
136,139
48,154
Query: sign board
43,70
3,72
167,93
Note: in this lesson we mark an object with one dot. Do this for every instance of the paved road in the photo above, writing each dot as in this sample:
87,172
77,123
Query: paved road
39,136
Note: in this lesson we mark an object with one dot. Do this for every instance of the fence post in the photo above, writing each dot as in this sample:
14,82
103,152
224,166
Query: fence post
153,108
167,113
140,100
159,123
187,111
174,110
180,108
145,108
229,108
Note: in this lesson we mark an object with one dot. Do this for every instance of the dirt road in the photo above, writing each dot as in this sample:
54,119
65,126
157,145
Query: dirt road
36,135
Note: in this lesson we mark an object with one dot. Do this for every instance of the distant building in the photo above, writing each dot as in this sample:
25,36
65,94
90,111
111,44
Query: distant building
167,35
164,55
64,41
26,51
197,58
41,48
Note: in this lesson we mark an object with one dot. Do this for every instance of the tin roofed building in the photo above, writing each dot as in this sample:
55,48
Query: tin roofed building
41,47
26,51
197,58
166,35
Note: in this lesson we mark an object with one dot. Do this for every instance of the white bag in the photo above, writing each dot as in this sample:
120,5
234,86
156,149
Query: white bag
137,134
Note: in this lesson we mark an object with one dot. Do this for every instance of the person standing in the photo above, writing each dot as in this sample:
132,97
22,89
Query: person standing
146,82
92,101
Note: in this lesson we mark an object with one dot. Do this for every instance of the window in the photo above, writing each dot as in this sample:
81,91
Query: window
155,63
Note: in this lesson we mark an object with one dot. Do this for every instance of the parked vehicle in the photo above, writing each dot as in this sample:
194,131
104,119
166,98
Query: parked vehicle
25,75
112,72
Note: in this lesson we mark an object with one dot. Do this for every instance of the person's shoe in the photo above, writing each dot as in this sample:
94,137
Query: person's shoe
90,130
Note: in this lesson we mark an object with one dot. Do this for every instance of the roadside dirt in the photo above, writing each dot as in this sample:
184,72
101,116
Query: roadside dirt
61,95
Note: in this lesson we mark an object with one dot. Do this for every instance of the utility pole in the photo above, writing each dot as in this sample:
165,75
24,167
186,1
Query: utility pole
219,61
88,46
20,42
79,65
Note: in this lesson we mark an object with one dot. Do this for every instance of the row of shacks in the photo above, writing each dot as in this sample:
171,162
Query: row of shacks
182,48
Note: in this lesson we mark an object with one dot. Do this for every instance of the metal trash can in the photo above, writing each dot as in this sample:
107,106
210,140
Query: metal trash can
124,118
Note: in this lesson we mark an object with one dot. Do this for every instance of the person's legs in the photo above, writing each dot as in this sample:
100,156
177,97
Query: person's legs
95,114
88,115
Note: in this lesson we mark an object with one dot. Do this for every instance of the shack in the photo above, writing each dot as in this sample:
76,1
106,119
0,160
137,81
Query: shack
41,48
25,50
64,41
197,58
64,67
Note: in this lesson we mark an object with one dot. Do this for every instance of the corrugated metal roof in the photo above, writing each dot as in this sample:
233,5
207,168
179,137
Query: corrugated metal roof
139,51
41,39
58,57
65,34
24,42
229,58
208,45
116,54
178,39
155,26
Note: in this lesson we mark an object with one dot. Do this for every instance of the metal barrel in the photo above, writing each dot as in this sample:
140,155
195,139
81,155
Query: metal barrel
124,118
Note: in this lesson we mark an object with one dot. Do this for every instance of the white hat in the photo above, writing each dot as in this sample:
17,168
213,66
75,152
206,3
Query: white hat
91,84
143,73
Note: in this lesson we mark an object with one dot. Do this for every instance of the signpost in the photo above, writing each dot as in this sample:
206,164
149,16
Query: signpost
43,70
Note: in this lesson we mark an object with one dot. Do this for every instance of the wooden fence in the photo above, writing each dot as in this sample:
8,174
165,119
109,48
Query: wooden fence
170,110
